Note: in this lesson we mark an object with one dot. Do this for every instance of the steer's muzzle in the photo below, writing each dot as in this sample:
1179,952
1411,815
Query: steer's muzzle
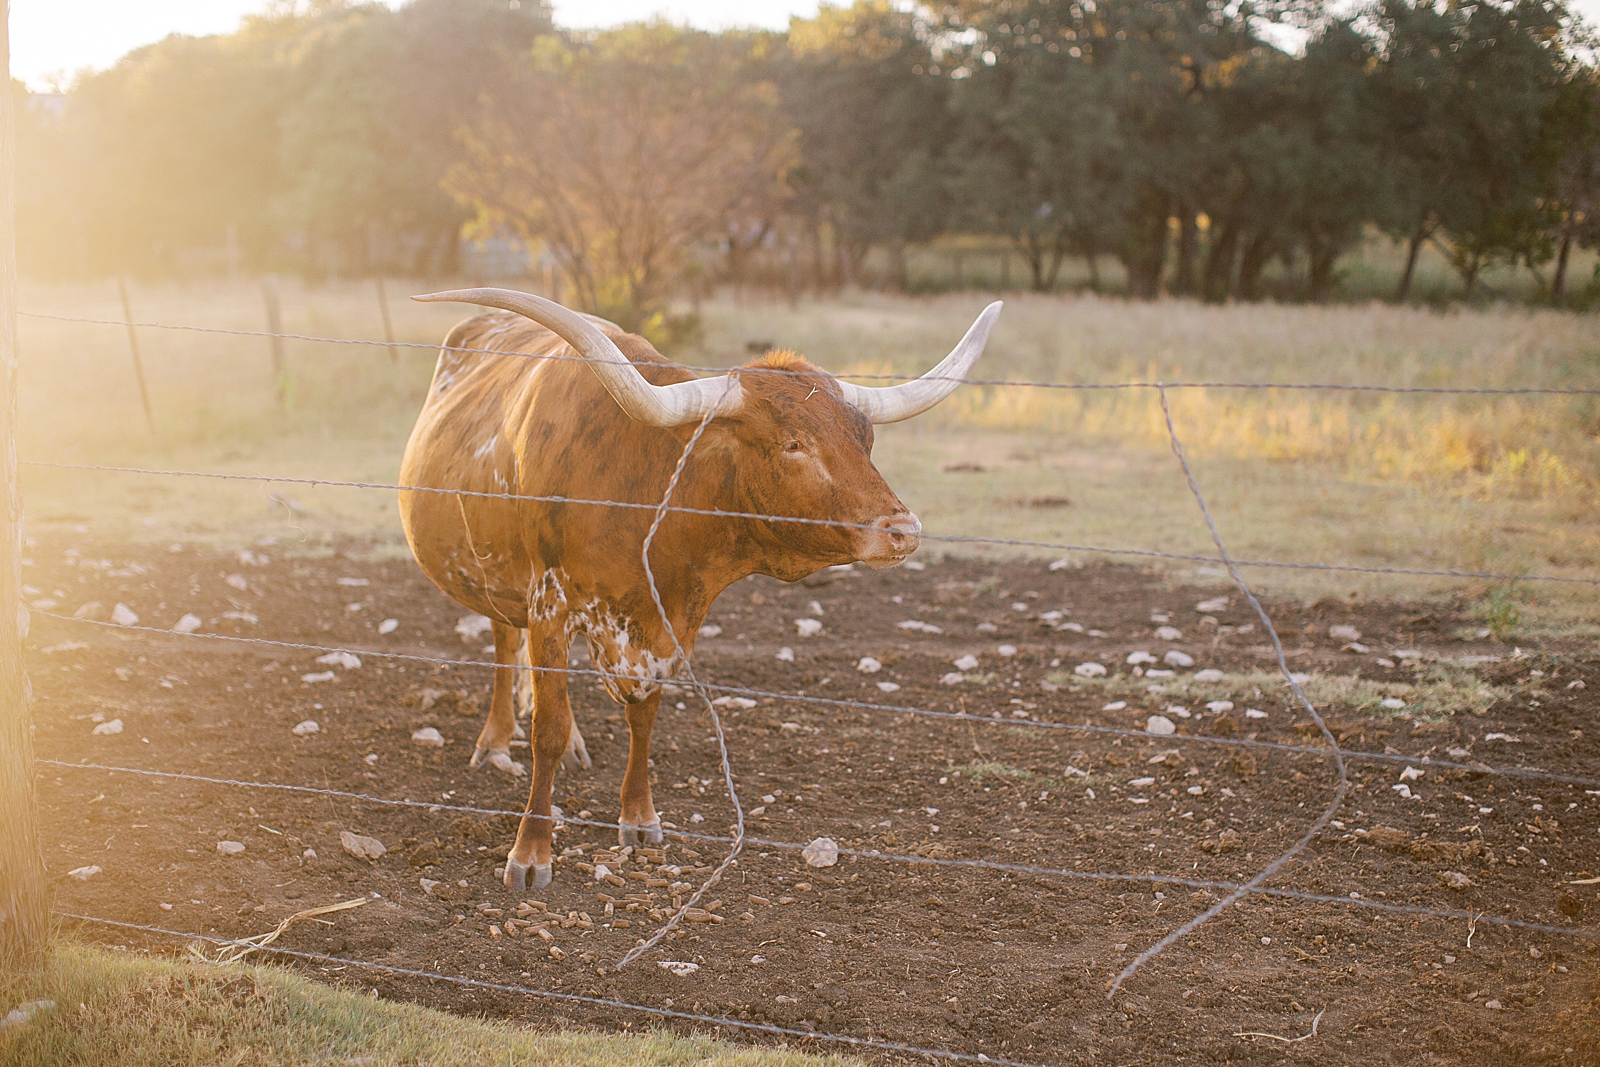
890,540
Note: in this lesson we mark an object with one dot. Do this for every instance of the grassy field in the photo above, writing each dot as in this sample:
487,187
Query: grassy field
120,1010
1490,483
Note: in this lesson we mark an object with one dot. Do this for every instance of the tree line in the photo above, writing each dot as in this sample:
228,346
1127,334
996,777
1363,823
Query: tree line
1223,149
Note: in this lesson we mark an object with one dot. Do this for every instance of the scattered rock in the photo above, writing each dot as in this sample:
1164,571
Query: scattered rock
238,581
1169,633
1392,703
1210,674
952,678
1136,658
1115,705
889,687
106,729
919,626
1226,841
822,852
1344,633
1212,606
123,615
1007,650
808,627
1455,880
347,660
1089,670
388,626
93,610
360,846
473,627
786,654
733,702
23,1013
428,737
230,848
188,624
305,729
1492,1005
1174,658
678,967
429,886
83,874
966,663
1254,713
318,676
1243,763
1217,707
1411,774
868,665
710,630
1160,725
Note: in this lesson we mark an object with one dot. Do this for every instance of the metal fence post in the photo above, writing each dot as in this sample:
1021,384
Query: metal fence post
280,379
133,346
24,907
388,326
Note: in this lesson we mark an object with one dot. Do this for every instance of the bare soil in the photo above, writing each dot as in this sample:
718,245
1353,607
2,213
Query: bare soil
1011,965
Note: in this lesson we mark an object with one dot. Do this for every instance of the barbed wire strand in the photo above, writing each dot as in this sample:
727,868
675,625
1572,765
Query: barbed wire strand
997,382
832,523
716,720
862,705
1283,666
1001,866
571,998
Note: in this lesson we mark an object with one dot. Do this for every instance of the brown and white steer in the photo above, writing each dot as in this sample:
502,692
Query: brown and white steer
786,439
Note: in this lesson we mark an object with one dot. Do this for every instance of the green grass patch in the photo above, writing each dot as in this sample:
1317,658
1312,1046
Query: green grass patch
123,1010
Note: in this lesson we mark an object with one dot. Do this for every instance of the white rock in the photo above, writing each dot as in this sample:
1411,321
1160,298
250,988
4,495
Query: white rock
188,624
472,627
822,852
914,565
1136,658
340,659
808,627
888,687
318,676
680,968
83,874
242,616
601,872
23,1013
1169,633
1089,670
1253,713
988,628
388,626
710,630
305,729
1178,710
1160,725
1007,650
1217,707
1215,604
1411,774
1178,659
230,848
107,728
1115,705
428,885
786,654
1141,782
733,702
919,626
354,581
238,581
868,665
360,846
952,678
965,663
815,607
1154,673
1344,633
1357,647
1062,564
1392,703
1501,737
1210,674
1299,679
428,737
123,615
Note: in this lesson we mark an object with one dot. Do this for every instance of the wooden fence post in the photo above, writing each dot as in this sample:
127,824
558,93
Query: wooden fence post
24,905
388,327
280,380
133,346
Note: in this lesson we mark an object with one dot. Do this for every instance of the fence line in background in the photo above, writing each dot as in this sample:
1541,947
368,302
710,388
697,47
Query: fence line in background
899,709
574,998
1006,382
796,520
1033,870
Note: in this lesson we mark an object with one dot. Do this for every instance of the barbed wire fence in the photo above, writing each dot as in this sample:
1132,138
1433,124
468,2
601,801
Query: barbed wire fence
1233,891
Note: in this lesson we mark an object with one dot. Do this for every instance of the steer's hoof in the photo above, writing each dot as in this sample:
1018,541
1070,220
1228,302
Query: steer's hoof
517,879
646,834
498,758
577,753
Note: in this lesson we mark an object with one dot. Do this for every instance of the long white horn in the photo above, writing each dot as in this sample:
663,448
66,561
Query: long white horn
654,405
894,403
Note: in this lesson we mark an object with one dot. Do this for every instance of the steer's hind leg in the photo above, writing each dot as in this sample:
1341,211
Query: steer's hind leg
494,740
640,825
528,865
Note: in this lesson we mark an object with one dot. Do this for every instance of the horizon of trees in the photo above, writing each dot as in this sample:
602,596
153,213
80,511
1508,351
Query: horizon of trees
1172,136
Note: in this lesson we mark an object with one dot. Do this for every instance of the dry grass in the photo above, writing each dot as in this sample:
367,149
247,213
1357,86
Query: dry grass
117,1010
1436,482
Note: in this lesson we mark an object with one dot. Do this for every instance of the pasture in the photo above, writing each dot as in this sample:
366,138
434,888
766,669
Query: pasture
1011,963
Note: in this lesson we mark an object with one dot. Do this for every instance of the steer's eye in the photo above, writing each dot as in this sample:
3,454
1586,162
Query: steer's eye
792,446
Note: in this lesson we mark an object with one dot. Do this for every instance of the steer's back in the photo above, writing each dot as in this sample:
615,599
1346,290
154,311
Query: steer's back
499,419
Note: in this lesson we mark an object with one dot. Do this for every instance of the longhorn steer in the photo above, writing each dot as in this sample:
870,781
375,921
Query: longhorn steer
785,439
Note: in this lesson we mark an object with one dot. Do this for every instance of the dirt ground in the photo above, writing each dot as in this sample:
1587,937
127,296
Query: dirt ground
1009,965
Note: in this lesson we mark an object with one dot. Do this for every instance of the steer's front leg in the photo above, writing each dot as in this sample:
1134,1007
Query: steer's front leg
639,823
552,724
